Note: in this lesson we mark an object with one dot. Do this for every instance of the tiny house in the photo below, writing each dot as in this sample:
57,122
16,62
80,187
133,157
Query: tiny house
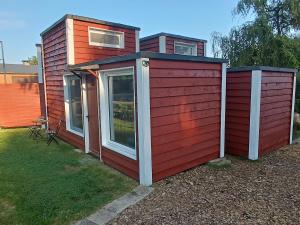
259,110
147,114
173,44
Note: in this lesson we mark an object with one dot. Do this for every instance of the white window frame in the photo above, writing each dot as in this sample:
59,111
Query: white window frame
67,108
105,31
105,115
194,45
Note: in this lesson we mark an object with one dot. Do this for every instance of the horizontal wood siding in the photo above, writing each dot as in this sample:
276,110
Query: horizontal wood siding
19,104
55,61
122,163
151,45
276,101
185,115
238,97
85,52
170,45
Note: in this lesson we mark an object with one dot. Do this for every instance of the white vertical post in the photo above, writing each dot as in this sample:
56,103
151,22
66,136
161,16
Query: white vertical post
223,105
85,115
144,123
254,114
137,41
292,109
70,41
162,44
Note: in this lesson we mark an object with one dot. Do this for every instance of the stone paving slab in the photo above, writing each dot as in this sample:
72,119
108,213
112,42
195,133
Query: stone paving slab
111,210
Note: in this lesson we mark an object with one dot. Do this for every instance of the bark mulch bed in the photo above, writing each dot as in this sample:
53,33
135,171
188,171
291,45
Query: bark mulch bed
262,192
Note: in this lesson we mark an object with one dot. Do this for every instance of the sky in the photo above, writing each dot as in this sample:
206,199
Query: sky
21,22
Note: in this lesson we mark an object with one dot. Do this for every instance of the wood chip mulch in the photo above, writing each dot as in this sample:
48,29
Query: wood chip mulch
262,192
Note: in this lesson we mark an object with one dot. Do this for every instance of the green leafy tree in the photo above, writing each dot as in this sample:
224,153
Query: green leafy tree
32,60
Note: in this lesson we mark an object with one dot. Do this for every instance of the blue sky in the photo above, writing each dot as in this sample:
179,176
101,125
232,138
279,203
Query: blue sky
21,21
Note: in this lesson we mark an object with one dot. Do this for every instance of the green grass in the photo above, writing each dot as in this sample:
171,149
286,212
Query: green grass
42,184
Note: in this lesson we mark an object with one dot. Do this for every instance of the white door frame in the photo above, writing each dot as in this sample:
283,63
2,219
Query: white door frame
85,115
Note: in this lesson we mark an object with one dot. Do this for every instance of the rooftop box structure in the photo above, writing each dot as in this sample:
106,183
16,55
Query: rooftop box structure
173,44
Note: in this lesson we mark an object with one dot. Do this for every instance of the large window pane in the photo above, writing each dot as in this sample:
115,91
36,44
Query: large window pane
185,49
121,110
75,105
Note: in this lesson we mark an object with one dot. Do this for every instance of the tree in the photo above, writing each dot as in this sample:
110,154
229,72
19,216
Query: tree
282,15
32,60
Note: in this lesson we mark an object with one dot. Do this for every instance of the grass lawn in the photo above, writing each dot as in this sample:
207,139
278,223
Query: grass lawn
54,184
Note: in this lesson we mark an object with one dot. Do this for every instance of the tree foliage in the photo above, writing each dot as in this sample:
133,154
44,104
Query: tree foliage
32,60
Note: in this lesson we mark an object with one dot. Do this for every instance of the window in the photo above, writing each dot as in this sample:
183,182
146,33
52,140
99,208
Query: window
118,111
185,48
106,38
73,104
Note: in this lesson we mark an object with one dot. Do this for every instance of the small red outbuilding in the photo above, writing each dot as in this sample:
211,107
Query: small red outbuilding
259,110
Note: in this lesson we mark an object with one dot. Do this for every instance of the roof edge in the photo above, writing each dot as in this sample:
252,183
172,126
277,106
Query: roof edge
263,68
88,19
172,35
146,54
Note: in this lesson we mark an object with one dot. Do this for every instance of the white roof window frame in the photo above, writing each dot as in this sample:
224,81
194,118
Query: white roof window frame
194,45
105,31
104,112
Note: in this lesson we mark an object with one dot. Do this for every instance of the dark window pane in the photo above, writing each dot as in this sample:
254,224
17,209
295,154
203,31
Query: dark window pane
121,101
105,38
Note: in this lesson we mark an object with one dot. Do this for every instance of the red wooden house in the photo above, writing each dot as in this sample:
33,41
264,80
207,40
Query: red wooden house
173,44
259,109
149,115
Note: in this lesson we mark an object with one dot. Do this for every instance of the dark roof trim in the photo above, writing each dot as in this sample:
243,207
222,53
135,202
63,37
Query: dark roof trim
263,68
151,55
172,35
19,69
88,19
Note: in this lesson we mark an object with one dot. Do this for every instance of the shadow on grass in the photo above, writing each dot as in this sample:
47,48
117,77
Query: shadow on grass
54,184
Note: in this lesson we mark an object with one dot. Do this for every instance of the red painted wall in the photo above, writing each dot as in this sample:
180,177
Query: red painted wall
151,45
238,97
55,61
170,45
19,104
185,115
275,111
85,52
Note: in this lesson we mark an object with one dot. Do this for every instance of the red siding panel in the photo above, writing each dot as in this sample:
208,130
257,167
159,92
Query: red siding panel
275,117
185,106
238,95
19,104
151,45
55,61
85,52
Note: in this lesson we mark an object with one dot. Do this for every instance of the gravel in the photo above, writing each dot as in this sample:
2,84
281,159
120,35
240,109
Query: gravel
262,192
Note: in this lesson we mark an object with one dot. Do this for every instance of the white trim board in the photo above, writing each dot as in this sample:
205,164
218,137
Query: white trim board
292,109
137,41
162,44
144,123
254,114
70,41
85,115
223,109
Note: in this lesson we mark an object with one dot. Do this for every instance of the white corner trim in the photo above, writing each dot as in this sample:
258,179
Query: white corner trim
104,112
223,109
70,41
85,115
292,109
144,123
205,48
40,64
45,85
162,44
254,114
137,41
